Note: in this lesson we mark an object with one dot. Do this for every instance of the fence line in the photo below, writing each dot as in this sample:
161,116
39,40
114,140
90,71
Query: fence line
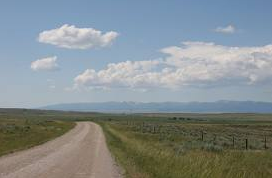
235,142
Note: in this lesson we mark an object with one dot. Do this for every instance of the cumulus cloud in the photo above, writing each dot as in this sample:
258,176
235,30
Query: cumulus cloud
228,29
45,64
69,36
191,64
123,74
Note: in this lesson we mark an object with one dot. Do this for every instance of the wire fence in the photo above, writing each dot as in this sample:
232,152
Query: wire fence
242,137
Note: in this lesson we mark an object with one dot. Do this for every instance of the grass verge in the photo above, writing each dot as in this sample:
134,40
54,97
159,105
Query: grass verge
19,134
145,155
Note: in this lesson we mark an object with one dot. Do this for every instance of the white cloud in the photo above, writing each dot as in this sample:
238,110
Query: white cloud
124,74
192,64
228,29
45,64
69,36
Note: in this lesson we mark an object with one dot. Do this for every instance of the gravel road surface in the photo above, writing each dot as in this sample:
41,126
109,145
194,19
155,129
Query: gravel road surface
80,153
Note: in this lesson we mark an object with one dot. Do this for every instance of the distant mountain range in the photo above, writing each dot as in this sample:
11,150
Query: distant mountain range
140,107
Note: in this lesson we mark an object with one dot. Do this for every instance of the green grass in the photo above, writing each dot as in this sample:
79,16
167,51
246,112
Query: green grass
18,134
158,145
175,150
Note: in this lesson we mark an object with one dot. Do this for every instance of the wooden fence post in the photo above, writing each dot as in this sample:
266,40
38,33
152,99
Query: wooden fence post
246,143
232,141
265,146
202,136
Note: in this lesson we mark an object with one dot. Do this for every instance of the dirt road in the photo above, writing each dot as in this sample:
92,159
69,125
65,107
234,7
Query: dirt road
80,153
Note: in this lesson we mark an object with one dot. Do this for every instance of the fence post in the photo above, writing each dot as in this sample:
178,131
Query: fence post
246,143
202,136
232,141
265,147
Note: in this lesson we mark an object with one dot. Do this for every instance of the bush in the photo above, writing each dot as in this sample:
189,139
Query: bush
211,147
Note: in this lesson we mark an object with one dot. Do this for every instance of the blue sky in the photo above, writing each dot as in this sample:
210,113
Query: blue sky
198,63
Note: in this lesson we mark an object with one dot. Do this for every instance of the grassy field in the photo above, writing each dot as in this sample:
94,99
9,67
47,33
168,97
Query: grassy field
21,133
175,146
172,145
